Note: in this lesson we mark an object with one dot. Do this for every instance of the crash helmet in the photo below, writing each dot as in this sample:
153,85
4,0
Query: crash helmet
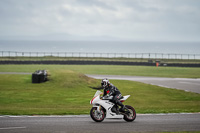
105,83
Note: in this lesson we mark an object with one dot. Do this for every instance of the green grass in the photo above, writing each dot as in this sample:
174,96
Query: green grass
68,92
174,72
195,61
154,99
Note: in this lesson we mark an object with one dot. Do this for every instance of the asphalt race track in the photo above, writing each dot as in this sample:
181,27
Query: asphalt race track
186,84
83,123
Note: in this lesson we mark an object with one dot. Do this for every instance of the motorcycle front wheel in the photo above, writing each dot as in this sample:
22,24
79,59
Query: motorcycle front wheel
96,115
130,116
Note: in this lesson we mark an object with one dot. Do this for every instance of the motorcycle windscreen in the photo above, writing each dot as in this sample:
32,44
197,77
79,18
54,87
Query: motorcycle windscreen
97,93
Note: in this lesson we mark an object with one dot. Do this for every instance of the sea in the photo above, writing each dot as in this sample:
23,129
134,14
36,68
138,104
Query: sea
116,47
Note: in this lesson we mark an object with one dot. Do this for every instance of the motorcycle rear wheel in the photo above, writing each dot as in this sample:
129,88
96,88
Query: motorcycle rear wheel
131,117
97,116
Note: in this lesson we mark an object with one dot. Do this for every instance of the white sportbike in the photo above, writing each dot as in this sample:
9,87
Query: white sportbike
104,108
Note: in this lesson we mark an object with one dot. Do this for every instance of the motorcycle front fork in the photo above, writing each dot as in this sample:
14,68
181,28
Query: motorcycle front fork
99,109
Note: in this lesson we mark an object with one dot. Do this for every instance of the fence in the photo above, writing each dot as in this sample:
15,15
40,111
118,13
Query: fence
101,55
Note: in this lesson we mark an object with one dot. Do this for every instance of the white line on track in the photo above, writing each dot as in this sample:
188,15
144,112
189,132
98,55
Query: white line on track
44,116
8,128
81,116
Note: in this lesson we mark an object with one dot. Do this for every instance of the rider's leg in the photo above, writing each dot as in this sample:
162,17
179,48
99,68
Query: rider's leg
122,106
115,107
117,101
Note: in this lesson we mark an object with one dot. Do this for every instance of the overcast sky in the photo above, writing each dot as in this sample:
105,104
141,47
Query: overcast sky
137,20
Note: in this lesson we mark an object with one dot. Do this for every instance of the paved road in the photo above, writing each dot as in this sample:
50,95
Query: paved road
83,123
187,84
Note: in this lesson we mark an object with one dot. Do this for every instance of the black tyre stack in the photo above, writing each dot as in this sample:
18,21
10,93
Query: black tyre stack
39,76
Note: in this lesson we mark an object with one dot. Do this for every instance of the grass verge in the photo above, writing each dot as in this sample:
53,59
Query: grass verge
69,92
174,72
54,58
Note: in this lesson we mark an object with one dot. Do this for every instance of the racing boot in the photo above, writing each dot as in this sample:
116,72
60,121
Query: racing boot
122,106
122,109
115,109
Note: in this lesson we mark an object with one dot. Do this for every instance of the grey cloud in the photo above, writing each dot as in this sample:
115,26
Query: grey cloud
98,3
126,19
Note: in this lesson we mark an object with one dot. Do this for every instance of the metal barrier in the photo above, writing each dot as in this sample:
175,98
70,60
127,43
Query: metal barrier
100,55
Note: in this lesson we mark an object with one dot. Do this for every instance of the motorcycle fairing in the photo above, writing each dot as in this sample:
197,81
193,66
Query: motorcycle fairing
107,105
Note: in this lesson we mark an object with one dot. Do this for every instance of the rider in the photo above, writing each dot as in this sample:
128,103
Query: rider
111,90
